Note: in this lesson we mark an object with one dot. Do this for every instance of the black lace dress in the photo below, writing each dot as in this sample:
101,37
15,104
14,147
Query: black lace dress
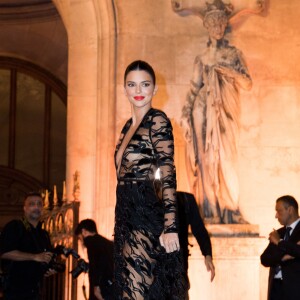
143,270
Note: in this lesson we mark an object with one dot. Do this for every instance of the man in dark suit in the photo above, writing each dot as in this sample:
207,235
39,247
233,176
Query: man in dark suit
283,252
188,214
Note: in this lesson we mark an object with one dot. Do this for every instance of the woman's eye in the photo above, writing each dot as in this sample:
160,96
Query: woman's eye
130,85
146,84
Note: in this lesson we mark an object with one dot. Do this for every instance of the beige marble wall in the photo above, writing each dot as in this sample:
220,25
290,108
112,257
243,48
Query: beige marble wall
269,139
269,145
239,274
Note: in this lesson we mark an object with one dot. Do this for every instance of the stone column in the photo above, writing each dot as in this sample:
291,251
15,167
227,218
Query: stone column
91,107
82,103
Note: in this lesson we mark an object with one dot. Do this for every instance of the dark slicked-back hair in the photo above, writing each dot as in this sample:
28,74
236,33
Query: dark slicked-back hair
140,65
32,194
288,201
87,224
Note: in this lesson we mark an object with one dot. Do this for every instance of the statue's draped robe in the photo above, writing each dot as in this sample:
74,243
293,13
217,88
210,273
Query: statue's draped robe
214,119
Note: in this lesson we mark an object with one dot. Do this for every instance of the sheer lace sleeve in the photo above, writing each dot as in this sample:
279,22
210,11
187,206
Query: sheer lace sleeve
162,139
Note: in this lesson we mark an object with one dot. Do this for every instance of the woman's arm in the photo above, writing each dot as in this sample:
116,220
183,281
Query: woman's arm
163,143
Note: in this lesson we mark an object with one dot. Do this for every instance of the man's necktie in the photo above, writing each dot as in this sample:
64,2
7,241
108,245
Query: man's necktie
287,233
285,238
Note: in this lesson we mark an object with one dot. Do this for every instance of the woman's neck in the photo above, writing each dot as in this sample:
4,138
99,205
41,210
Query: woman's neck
138,113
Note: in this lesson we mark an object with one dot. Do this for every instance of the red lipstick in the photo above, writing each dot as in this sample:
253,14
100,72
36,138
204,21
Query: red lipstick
139,98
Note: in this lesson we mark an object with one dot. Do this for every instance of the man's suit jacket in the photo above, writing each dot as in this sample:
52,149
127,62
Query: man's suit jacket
272,256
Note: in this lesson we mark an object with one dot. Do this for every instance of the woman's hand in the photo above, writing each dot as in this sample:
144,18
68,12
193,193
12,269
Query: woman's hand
169,241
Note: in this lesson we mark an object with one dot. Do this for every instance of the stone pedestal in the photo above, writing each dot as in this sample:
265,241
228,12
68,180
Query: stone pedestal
236,255
233,230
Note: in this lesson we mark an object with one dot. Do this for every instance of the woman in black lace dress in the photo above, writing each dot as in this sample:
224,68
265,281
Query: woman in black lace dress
148,263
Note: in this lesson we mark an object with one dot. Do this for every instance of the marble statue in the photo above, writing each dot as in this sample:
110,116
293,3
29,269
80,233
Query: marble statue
210,118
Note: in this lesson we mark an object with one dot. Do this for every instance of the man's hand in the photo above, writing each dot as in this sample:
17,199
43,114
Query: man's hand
210,267
97,293
17,255
50,272
287,257
274,237
169,241
43,257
